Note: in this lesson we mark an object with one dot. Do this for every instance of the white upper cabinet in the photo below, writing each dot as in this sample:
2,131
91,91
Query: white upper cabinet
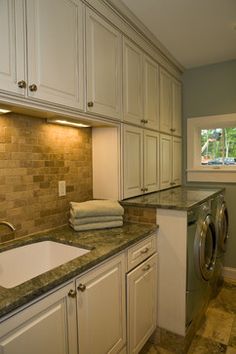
132,83
165,102
170,104
104,71
12,58
177,107
151,93
55,57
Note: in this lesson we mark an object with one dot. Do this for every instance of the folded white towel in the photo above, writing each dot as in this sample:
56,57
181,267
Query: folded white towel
97,225
96,208
94,219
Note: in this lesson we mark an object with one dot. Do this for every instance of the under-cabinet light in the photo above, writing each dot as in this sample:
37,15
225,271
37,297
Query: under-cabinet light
66,122
3,111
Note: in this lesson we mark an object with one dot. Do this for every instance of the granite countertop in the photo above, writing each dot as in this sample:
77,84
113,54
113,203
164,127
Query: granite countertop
102,243
179,198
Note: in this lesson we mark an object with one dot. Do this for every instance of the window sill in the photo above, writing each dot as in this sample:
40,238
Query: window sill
212,174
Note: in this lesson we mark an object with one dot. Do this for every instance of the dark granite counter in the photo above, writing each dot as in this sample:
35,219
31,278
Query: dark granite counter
179,198
102,243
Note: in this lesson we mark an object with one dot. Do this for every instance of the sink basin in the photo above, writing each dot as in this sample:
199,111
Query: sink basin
24,263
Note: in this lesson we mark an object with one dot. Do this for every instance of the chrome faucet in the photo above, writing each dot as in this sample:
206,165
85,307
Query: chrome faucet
3,222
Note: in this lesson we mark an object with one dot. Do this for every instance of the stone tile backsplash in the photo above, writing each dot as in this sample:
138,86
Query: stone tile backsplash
34,156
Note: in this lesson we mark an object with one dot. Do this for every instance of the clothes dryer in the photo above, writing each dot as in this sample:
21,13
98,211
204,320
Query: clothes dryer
201,257
221,220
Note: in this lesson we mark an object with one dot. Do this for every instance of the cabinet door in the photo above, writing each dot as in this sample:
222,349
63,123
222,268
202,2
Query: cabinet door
165,161
12,46
104,57
141,304
55,57
151,93
133,83
165,102
151,161
101,308
133,161
176,108
48,327
177,160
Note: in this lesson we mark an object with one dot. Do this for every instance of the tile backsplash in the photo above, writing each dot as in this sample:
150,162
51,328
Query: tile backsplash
34,156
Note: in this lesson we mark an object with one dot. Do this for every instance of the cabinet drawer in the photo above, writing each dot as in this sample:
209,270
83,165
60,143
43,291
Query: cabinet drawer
141,251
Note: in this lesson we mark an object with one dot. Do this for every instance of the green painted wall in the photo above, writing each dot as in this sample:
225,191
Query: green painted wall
211,90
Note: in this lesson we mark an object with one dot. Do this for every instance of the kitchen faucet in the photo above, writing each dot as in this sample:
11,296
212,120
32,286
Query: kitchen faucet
3,222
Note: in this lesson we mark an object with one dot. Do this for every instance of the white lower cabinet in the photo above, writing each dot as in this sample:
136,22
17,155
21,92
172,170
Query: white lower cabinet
101,308
46,327
141,303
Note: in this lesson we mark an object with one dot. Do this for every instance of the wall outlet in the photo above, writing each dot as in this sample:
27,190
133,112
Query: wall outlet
62,188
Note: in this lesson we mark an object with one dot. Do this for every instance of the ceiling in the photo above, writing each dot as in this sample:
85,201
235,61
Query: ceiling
195,32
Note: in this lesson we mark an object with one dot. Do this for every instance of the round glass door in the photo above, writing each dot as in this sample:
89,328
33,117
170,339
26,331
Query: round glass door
207,248
223,225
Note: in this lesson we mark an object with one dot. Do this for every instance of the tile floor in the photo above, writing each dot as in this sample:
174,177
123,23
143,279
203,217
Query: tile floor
218,332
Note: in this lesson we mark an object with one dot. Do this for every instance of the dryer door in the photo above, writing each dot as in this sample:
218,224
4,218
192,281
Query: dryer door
205,248
222,226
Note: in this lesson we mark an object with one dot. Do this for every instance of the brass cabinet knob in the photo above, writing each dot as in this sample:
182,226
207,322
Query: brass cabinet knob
90,104
81,287
142,189
33,87
172,130
21,84
72,293
147,267
172,183
144,121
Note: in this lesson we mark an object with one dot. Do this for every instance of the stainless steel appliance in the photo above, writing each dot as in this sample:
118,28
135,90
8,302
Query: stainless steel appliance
201,257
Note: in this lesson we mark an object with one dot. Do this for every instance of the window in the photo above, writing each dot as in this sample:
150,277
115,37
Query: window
211,148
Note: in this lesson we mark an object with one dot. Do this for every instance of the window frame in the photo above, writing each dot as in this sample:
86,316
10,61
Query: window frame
207,173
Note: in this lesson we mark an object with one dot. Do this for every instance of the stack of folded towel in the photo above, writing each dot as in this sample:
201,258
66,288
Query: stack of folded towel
95,214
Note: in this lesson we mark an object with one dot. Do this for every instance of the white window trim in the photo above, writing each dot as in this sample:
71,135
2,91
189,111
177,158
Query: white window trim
196,172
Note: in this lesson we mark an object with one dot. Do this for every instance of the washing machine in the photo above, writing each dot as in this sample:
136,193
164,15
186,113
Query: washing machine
201,258
221,220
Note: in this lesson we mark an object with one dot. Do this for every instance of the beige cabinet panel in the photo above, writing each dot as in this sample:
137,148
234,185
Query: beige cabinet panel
133,161
151,161
165,161
48,326
55,57
104,58
170,160
141,303
177,107
151,93
101,308
132,83
177,160
170,104
12,58
165,102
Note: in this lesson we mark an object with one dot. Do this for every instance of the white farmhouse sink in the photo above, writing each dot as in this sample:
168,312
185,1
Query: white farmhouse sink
24,263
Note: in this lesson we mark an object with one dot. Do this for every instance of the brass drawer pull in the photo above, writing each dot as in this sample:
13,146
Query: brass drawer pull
81,287
145,250
147,267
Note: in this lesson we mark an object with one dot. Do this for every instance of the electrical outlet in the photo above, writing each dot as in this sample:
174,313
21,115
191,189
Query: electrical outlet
62,188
